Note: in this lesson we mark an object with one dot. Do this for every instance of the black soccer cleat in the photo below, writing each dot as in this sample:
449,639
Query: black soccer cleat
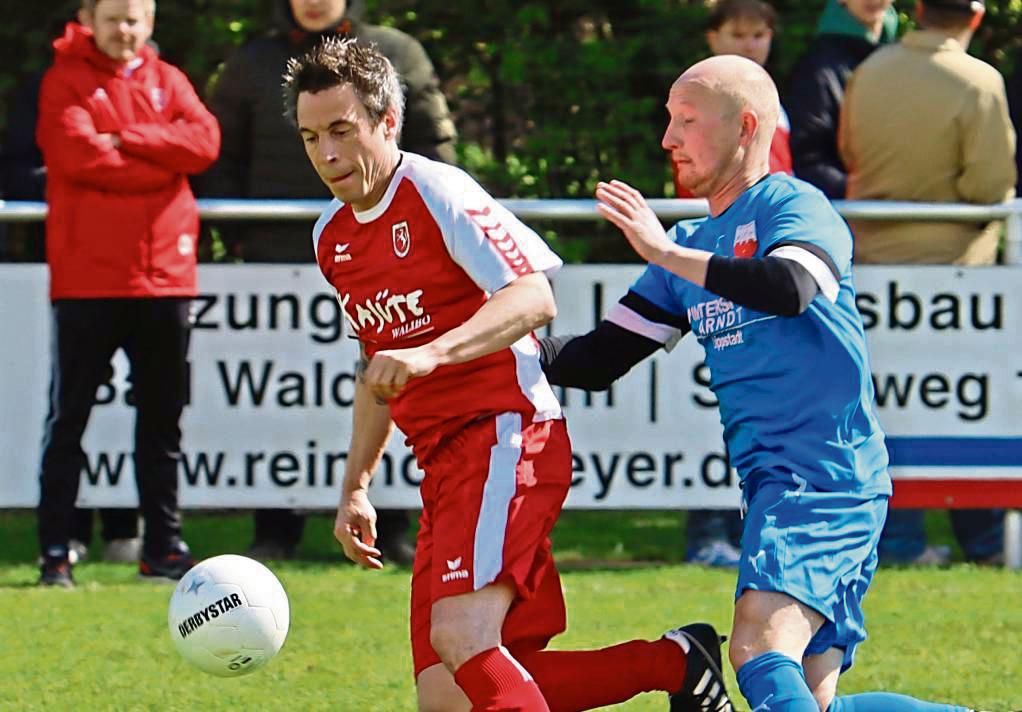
703,689
168,567
56,569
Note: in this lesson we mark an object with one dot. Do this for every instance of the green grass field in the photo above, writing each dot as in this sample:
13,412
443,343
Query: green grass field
952,635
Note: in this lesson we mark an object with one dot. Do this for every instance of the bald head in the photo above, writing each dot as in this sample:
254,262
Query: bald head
739,85
724,113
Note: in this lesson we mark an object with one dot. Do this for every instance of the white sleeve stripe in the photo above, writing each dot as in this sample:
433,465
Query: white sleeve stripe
814,265
324,219
636,323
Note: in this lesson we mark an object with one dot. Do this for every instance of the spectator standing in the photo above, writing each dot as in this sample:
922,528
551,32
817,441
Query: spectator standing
263,158
962,151
846,34
745,28
23,177
120,130
1015,105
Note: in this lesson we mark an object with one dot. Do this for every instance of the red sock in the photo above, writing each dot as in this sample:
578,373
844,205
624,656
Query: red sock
495,682
584,680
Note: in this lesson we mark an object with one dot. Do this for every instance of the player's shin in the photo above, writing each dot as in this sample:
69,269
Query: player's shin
588,679
887,702
773,681
493,680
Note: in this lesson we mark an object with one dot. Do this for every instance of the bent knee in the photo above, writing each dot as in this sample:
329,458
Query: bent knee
447,638
740,651
437,692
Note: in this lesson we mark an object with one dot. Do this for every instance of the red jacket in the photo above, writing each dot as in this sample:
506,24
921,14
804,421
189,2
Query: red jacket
122,221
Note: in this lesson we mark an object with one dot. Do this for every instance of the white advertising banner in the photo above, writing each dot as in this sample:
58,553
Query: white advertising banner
272,381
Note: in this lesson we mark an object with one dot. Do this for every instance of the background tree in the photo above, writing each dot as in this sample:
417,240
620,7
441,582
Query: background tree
549,97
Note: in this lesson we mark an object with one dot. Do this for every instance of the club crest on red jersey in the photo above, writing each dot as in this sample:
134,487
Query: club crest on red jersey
402,237
745,240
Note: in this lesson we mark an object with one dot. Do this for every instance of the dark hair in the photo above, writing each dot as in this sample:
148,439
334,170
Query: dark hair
90,6
337,61
945,18
726,10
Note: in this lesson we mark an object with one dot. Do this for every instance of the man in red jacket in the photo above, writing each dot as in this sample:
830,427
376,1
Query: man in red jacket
120,131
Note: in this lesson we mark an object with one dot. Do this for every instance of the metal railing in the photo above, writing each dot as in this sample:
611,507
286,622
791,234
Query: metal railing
666,209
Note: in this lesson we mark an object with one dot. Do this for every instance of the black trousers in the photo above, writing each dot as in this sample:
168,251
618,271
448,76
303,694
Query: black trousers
86,333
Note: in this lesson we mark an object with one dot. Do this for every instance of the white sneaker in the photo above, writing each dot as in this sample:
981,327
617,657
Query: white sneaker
718,554
123,550
76,551
939,555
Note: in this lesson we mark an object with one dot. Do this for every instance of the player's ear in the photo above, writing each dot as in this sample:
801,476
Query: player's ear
390,125
750,122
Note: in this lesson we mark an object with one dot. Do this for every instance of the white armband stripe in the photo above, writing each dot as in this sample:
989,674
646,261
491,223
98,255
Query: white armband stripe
636,323
814,265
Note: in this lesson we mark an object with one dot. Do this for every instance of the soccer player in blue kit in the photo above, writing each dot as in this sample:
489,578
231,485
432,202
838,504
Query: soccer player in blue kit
765,284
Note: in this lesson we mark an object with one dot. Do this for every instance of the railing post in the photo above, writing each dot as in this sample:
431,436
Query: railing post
1013,234
1013,539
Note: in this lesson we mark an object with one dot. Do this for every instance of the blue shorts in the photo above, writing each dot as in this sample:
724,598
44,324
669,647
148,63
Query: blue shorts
818,547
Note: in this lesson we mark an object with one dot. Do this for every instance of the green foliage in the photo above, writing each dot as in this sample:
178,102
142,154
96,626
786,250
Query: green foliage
548,97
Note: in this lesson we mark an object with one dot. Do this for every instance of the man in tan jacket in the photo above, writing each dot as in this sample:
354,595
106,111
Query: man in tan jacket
924,121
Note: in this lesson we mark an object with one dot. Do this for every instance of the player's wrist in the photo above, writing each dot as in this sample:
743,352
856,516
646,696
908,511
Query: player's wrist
434,354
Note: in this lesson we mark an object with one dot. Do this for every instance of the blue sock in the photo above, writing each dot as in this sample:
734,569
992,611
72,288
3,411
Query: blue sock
772,682
887,702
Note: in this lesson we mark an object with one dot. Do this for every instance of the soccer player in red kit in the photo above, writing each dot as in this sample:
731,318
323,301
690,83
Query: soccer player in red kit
443,288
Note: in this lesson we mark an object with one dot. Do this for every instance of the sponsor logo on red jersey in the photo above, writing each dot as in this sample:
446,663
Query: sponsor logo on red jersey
402,312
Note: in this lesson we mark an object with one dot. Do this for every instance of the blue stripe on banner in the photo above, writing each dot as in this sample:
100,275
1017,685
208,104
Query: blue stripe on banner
955,452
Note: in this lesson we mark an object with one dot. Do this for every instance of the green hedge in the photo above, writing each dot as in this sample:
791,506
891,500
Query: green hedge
548,96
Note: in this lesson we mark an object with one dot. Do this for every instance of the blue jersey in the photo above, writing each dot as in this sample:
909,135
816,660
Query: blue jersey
796,397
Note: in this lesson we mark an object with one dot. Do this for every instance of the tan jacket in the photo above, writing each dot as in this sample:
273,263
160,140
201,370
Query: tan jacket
924,121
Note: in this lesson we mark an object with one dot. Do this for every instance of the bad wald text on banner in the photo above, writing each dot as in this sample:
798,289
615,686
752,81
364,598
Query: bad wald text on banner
272,374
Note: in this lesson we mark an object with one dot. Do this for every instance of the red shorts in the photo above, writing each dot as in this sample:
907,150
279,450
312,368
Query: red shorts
490,497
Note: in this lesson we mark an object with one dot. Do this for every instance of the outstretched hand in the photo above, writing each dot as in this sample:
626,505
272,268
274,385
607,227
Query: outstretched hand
624,206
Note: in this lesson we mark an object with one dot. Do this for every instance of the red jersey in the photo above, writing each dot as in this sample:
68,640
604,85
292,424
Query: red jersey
420,263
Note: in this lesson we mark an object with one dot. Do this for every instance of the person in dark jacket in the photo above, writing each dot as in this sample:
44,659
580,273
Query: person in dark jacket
262,157
120,131
848,31
1015,104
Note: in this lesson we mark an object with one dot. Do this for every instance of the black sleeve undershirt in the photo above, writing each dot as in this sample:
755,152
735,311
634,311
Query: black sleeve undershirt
595,360
772,285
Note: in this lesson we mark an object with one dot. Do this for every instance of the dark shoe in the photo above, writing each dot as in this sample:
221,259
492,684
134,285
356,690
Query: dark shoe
703,689
169,567
56,569
396,550
271,551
